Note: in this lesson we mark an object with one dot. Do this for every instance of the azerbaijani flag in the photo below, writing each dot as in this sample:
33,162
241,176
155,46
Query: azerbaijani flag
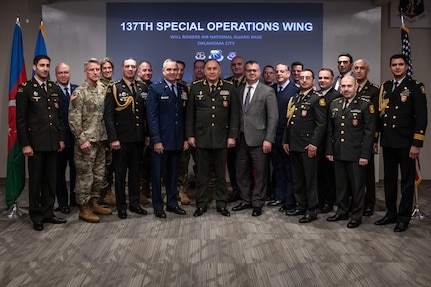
15,161
40,42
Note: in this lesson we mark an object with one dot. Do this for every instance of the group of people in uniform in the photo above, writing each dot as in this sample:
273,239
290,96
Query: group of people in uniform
311,137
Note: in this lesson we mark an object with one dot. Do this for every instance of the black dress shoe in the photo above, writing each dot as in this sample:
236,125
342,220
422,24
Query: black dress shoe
122,214
295,212
338,217
63,209
54,220
353,223
386,220
368,211
257,211
199,211
223,211
242,206
160,213
400,227
275,203
177,210
138,210
326,208
37,225
307,218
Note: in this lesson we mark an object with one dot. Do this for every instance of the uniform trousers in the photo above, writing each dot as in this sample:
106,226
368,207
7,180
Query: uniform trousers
211,163
370,184
305,181
65,157
249,157
127,161
90,172
282,175
350,181
42,172
168,160
392,158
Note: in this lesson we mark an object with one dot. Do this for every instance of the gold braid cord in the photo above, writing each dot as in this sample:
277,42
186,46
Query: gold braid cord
124,106
290,110
383,103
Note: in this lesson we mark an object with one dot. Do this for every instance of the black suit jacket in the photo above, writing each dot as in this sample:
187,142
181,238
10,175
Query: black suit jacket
125,113
38,118
64,109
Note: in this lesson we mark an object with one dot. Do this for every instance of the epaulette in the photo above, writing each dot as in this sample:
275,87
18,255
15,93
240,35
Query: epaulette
364,99
375,86
116,82
230,82
198,81
318,93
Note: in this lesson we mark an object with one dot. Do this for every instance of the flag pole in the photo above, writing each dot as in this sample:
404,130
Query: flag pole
16,163
417,212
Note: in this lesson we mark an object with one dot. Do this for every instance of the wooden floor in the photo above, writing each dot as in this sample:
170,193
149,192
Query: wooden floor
212,250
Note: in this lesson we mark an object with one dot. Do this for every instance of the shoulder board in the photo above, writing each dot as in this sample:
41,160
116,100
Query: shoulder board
364,99
198,81
375,86
227,81
116,82
387,82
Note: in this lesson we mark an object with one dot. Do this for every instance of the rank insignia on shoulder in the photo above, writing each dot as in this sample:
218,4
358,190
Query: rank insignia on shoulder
322,101
423,89
371,109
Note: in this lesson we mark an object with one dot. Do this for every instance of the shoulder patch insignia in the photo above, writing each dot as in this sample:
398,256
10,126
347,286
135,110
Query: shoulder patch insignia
322,101
198,81
423,89
371,109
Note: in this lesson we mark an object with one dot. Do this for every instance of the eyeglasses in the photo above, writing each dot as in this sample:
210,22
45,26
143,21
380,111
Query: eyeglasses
251,71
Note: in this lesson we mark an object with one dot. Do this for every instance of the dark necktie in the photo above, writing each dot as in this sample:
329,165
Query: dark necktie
213,87
43,86
66,92
339,83
132,87
173,89
280,88
247,99
235,82
395,86
346,104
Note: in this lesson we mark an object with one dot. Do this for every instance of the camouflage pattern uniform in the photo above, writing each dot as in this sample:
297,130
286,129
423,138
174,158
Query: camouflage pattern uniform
86,122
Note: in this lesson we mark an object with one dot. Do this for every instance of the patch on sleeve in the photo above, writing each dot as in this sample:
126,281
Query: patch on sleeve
372,109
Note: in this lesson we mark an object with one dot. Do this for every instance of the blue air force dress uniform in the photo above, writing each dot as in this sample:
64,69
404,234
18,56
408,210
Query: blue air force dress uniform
166,110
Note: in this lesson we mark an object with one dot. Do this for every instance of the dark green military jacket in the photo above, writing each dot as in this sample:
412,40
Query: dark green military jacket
212,117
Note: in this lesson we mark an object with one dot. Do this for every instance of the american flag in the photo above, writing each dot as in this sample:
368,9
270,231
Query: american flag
405,44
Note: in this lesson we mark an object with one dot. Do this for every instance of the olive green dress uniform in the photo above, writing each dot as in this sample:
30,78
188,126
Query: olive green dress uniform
212,118
370,92
39,125
350,137
403,123
306,124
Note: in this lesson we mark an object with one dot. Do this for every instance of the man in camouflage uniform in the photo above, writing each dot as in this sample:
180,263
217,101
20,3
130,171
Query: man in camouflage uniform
87,125
107,196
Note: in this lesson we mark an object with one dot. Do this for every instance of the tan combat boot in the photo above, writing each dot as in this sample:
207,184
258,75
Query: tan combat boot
87,215
143,199
97,209
165,199
184,199
107,197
